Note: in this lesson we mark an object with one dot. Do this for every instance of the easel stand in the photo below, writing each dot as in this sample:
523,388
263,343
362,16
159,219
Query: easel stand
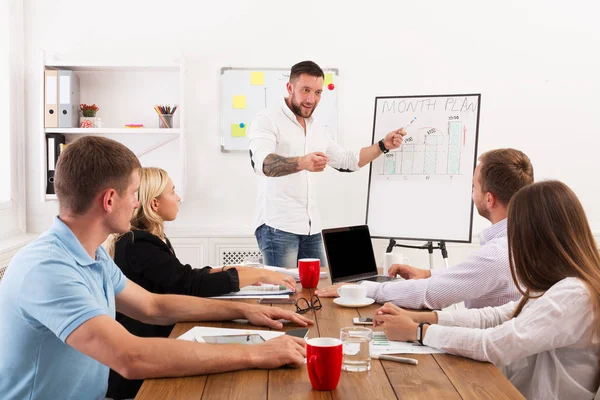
428,246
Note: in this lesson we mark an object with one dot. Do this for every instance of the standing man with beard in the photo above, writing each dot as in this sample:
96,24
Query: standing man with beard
286,144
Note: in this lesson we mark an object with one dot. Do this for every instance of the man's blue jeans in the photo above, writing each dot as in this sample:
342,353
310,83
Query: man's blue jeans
284,249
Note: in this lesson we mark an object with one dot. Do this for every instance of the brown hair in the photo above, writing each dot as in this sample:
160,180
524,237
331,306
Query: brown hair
503,172
549,239
306,67
89,165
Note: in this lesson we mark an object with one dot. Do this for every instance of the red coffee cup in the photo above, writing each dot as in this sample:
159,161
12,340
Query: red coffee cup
309,270
324,362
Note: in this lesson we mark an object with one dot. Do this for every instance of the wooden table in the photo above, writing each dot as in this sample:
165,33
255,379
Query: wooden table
438,376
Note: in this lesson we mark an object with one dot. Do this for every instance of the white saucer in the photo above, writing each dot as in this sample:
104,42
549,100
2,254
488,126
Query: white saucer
360,303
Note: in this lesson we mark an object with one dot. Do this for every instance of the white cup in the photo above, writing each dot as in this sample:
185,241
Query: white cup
352,293
390,259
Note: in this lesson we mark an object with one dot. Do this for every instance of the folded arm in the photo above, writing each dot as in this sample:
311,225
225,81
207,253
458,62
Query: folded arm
475,277
164,273
540,327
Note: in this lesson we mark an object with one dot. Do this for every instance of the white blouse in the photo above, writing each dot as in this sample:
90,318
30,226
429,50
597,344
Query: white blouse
547,352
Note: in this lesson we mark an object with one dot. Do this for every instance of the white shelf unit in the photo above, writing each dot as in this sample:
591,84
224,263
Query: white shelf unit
114,131
126,91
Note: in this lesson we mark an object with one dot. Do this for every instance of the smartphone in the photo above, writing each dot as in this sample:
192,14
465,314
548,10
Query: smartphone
363,321
301,333
266,300
242,339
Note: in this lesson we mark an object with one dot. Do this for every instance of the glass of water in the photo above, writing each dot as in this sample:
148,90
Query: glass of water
356,348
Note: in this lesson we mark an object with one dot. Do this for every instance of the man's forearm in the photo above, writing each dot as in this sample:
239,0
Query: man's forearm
275,165
368,154
168,309
157,357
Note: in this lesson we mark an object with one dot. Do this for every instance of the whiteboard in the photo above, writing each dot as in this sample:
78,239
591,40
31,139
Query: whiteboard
246,91
422,191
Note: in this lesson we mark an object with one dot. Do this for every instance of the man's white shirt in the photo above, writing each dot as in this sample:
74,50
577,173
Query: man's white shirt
288,203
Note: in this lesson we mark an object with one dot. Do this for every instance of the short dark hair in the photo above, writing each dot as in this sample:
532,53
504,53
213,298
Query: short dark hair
306,67
89,165
504,172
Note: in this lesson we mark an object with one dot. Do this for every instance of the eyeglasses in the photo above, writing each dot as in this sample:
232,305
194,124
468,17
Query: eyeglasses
303,305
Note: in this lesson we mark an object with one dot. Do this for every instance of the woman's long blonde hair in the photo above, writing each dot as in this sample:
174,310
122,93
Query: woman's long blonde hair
549,239
153,182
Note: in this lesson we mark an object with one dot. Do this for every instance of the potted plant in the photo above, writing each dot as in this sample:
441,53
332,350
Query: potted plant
88,118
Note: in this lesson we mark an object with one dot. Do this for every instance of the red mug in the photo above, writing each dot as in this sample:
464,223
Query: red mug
309,270
324,362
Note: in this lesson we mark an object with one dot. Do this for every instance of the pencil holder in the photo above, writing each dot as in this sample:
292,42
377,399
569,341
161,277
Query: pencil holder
165,120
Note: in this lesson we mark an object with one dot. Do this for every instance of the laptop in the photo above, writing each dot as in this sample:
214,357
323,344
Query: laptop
350,255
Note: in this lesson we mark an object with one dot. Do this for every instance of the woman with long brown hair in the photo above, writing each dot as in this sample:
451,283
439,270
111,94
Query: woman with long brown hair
547,343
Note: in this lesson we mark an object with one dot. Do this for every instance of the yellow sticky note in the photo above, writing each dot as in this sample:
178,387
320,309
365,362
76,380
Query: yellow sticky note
257,78
239,101
237,131
328,79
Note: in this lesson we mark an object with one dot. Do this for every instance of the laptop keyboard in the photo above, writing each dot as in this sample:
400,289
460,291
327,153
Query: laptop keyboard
376,278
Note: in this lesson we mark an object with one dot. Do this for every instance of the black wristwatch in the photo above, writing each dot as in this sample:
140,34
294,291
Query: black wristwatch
382,147
420,332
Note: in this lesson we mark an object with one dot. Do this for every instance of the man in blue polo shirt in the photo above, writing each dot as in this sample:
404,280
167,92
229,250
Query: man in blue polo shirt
59,295
51,287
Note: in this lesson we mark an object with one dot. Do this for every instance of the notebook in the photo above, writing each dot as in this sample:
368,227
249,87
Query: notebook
350,255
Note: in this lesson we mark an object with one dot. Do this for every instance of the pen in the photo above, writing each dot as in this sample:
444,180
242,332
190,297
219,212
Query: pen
411,121
404,360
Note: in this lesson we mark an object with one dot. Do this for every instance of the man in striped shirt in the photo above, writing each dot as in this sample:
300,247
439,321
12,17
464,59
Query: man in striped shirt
483,278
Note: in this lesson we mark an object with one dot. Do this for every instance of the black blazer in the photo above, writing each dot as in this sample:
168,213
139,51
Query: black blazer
151,263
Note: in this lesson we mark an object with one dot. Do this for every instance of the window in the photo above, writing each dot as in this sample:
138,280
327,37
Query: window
5,136
12,182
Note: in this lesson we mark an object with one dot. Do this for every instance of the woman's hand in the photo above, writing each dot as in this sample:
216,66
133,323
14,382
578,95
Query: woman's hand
397,326
277,278
256,276
416,316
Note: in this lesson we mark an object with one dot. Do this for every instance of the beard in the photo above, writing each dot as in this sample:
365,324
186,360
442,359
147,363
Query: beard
484,212
299,111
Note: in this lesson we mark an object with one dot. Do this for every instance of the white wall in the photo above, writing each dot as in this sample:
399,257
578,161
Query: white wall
536,64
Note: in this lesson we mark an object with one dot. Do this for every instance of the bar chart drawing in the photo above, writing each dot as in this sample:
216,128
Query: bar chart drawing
431,174
437,153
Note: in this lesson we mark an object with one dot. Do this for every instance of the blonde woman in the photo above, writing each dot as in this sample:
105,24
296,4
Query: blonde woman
547,344
146,257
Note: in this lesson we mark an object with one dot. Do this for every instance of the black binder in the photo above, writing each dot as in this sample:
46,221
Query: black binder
53,147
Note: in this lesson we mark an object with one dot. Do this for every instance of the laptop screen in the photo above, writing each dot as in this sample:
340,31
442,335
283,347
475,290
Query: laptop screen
349,252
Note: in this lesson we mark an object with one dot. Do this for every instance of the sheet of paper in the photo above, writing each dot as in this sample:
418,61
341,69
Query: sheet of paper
253,296
265,290
257,78
381,345
239,101
328,79
237,131
196,333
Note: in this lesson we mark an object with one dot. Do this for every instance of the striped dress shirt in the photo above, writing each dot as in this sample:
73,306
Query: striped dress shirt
483,279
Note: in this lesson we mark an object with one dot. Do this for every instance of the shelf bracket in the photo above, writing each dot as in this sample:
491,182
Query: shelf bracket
156,146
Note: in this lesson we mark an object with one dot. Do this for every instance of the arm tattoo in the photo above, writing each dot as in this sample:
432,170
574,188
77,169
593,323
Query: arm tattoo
275,165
